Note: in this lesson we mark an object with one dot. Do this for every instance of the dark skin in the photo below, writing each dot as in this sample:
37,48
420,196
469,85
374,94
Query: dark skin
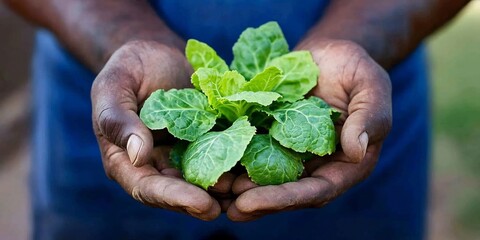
125,42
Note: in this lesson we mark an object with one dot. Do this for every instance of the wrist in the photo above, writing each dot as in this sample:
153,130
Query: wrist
93,30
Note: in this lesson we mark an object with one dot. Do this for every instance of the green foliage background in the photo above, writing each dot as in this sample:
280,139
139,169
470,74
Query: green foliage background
455,69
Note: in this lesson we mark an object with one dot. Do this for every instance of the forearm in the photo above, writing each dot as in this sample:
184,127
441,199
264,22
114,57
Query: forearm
388,30
93,29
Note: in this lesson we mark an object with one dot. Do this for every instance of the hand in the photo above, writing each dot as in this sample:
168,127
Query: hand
132,73
353,83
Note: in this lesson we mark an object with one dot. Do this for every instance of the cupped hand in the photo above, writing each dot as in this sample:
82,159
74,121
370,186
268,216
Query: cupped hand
131,74
356,85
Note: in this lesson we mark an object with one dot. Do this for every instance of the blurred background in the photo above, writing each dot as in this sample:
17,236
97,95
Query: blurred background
455,177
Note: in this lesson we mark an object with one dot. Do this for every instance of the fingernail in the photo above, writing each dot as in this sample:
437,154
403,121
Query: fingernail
134,145
363,139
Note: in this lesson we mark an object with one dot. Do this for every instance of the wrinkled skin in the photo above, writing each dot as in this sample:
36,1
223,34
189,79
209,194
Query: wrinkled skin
132,73
354,84
349,80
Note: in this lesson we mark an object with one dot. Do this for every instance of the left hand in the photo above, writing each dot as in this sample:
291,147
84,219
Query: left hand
133,72
355,84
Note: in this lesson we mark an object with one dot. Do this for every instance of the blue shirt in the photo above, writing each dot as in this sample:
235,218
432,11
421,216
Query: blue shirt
73,199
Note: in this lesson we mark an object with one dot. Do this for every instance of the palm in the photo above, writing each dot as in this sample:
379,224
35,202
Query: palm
131,74
354,84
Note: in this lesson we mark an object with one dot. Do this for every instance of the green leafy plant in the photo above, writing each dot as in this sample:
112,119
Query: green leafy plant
254,112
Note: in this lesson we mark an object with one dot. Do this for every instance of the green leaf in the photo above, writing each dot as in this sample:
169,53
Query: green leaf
224,94
245,103
261,119
233,110
195,80
300,74
256,47
262,98
304,126
176,154
334,113
205,79
199,55
217,86
269,163
215,153
231,83
319,102
264,81
185,113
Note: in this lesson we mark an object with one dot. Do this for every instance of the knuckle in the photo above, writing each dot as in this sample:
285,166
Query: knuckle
110,166
354,66
111,126
325,200
136,193
109,173
350,46
326,190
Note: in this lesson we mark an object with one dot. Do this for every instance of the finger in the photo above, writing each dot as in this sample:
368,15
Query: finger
115,115
225,203
261,200
161,157
234,214
325,184
317,162
242,183
224,184
161,161
146,185
171,172
369,111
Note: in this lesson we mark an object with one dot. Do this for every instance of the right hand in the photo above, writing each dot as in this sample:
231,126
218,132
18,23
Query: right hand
355,84
133,72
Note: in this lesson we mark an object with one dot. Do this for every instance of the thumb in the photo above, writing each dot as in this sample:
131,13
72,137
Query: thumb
115,117
123,128
370,115
362,128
